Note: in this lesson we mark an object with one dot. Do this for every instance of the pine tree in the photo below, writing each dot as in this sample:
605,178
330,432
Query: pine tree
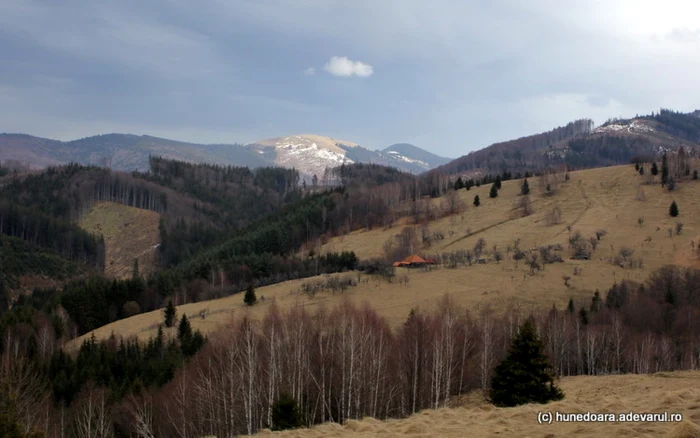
477,202
184,330
524,187
497,183
494,191
249,298
170,314
695,174
525,375
654,169
459,184
641,170
636,167
285,413
673,209
570,308
664,170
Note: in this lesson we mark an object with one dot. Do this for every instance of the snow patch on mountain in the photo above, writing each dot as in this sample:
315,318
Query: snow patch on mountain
306,155
398,156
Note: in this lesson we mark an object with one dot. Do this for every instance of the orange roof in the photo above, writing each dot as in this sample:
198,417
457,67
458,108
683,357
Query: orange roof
413,259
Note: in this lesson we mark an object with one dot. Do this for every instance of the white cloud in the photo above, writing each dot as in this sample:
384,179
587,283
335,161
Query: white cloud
344,67
310,71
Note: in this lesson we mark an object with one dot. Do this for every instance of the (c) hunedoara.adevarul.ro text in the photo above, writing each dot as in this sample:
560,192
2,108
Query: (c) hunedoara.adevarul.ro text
544,417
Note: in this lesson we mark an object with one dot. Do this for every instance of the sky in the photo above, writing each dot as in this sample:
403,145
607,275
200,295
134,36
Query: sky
450,76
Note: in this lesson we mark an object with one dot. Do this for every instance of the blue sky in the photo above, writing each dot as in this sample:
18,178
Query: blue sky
449,76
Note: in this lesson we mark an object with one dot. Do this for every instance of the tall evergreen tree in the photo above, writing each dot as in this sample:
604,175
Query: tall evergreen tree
664,170
525,375
654,169
169,314
497,182
477,202
524,187
249,298
459,184
673,209
636,167
184,330
493,192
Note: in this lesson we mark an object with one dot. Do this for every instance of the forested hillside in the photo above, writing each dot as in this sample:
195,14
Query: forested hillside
579,145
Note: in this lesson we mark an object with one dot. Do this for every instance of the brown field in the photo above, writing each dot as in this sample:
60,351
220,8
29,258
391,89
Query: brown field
592,199
129,233
677,392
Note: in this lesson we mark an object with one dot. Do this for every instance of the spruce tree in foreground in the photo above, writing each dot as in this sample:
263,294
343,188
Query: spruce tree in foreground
477,202
673,209
170,314
285,413
654,169
249,298
494,191
525,375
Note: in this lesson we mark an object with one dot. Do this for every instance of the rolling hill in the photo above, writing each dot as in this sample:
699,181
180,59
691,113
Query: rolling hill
614,199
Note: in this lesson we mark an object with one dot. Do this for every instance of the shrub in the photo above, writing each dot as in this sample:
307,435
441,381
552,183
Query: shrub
249,298
524,187
477,202
673,209
285,413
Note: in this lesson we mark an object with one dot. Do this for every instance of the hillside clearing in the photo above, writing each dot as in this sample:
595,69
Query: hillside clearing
677,392
129,233
594,199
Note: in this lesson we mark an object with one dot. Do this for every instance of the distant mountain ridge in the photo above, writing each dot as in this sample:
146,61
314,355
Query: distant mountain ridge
310,154
581,145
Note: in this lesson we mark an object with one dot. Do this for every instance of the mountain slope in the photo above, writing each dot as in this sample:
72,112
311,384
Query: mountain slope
413,154
312,154
579,145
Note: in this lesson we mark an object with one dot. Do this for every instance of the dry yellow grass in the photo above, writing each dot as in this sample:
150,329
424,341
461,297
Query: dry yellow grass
677,392
130,233
592,199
